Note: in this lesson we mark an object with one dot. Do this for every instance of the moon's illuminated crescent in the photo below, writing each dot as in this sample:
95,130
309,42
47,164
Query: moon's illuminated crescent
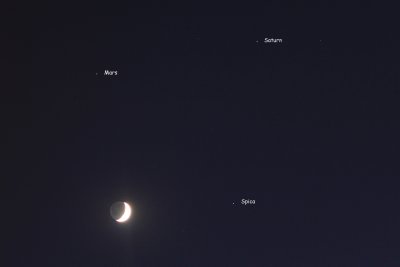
127,213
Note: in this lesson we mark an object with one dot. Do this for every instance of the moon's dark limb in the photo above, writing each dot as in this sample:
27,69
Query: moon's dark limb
117,210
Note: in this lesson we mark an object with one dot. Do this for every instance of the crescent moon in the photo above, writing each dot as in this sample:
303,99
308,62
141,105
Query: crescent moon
127,213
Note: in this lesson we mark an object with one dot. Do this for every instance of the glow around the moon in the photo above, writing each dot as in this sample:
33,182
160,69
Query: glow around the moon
127,213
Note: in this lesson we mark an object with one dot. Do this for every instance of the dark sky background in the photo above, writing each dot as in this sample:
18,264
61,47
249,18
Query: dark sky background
199,117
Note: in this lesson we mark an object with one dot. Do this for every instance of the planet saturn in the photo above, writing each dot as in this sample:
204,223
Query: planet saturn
120,211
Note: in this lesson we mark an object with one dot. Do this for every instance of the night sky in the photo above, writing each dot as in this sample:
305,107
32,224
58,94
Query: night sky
202,114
